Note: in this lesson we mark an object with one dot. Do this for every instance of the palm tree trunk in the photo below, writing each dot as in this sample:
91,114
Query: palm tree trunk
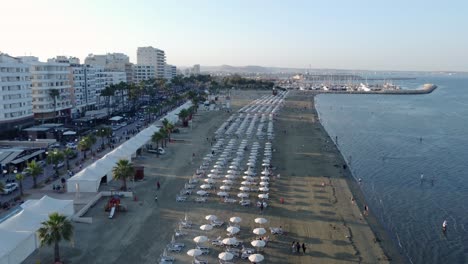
56,252
124,183
68,163
34,181
21,187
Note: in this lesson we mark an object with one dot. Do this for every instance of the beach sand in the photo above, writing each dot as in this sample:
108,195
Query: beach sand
324,218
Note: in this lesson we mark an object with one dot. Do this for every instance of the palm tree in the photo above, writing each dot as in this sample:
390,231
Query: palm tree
68,152
164,135
122,171
183,115
56,228
156,138
108,92
54,93
19,177
103,132
55,157
34,170
84,145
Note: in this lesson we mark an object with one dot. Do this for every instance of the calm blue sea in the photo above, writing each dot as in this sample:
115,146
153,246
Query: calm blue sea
380,136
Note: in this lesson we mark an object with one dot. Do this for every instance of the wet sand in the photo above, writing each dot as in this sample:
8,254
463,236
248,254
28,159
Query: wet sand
322,217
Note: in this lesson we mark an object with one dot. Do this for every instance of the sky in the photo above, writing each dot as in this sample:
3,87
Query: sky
373,35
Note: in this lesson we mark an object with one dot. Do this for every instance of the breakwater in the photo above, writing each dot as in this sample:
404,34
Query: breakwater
427,89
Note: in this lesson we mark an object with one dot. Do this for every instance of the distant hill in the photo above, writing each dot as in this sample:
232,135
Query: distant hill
248,69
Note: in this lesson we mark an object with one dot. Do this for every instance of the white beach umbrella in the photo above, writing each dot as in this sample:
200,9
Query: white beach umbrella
225,256
209,180
235,219
200,239
242,195
211,175
230,176
258,243
266,164
234,167
264,183
228,181
266,173
232,171
244,188
266,160
214,171
194,252
259,231
265,178
256,258
222,194
233,230
260,220
201,192
211,217
246,183
205,186
229,241
220,162
248,178
263,196
250,164
263,189
225,188
206,227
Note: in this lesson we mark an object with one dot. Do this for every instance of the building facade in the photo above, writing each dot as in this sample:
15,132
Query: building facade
170,71
152,56
15,94
143,73
45,78
110,61
195,69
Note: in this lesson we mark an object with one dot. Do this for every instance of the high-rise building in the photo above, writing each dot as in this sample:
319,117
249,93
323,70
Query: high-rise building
143,72
170,71
152,56
15,94
195,69
47,77
109,61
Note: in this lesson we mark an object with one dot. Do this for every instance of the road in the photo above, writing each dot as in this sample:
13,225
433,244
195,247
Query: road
48,169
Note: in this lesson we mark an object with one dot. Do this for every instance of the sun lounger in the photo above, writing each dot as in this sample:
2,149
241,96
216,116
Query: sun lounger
230,200
186,192
276,230
177,244
199,261
166,259
162,261
204,250
179,233
189,186
217,223
200,199
185,224
171,248
192,181
245,202
217,242
181,198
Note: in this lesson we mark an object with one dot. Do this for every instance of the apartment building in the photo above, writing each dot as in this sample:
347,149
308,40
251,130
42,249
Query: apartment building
143,73
152,56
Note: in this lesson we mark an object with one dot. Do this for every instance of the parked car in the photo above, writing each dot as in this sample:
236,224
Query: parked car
71,145
60,164
161,151
9,188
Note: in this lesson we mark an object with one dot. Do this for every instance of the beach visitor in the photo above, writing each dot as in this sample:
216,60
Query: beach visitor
444,226
298,247
293,246
303,248
366,210
158,185
156,198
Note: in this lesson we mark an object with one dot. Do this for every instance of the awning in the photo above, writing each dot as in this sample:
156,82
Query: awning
116,118
27,157
69,133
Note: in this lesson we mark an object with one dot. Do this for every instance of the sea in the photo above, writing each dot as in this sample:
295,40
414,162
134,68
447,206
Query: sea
389,141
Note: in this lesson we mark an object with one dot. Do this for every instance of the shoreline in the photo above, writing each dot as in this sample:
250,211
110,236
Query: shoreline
387,241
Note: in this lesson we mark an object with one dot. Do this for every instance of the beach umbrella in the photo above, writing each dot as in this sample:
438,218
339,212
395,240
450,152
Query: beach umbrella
248,178
246,183
225,256
206,227
233,230
266,173
232,171
244,188
265,178
264,183
235,219
205,186
200,239
211,175
251,164
207,158
222,194
217,166
258,243
242,195
266,160
256,258
164,253
263,189
230,176
233,167
263,196
220,162
186,217
228,181
229,241
225,188
237,159
201,192
259,231
173,239
266,164
260,220
209,180
214,171
194,252
211,217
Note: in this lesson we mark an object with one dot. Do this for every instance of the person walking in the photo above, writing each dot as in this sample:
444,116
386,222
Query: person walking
298,247
261,207
156,198
304,248
158,185
293,246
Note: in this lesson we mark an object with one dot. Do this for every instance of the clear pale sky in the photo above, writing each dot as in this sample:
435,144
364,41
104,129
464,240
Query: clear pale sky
348,34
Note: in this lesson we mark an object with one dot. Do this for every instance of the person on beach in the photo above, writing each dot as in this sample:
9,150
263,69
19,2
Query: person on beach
298,247
158,185
366,210
304,248
293,246
444,226
156,198
261,207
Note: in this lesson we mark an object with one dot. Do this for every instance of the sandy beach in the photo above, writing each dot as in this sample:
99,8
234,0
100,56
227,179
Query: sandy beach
318,209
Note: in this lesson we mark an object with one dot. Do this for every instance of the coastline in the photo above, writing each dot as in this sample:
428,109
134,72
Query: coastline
386,240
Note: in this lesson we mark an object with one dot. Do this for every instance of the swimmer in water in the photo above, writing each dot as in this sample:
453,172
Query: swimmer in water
444,226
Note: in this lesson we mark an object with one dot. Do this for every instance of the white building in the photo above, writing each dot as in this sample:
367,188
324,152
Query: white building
152,56
46,77
170,71
196,69
15,93
109,61
143,73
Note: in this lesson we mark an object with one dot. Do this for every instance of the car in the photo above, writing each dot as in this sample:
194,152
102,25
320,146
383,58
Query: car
71,145
25,172
9,188
160,151
60,164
